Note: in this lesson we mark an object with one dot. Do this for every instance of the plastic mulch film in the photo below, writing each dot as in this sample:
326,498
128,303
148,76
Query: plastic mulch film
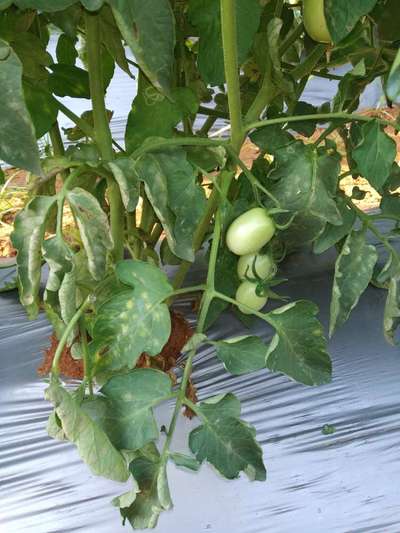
345,481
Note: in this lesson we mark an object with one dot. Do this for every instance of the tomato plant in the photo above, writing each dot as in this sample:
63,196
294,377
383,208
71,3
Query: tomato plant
174,188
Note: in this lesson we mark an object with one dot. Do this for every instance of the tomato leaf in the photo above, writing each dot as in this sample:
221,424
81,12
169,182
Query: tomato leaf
342,15
242,355
69,80
135,320
299,347
185,461
353,271
375,154
17,135
112,39
178,200
92,443
126,177
205,15
155,115
131,398
306,180
94,229
393,82
225,441
333,234
391,320
139,22
65,51
27,238
42,108
154,497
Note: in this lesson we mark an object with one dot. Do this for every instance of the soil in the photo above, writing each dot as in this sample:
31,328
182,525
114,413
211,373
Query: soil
165,361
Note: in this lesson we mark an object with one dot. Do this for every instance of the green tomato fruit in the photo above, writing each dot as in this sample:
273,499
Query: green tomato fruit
262,265
250,232
246,294
315,21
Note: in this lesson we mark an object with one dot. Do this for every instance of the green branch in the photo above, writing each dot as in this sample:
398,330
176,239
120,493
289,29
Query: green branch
320,117
102,129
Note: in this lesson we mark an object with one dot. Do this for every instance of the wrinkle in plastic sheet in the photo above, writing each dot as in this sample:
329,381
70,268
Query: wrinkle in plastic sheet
344,482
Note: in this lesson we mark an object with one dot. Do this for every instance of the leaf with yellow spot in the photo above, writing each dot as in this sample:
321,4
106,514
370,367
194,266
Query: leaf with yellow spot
135,320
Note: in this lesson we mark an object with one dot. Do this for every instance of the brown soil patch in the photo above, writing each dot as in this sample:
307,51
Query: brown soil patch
165,361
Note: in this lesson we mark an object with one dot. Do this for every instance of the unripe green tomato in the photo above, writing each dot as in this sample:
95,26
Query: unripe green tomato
250,232
262,264
246,294
315,21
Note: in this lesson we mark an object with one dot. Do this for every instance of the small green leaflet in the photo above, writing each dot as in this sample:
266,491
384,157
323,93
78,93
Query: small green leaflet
391,319
69,80
135,320
299,347
139,22
172,189
150,474
54,428
393,82
343,15
27,237
225,441
17,135
42,108
94,229
353,271
185,461
92,443
242,355
205,15
131,398
126,500
375,154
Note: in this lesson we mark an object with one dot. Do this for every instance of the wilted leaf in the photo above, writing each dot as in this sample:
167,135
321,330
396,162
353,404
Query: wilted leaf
92,443
27,238
185,461
154,497
391,320
94,229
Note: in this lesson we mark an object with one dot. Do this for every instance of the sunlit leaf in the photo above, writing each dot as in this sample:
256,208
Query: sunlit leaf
225,441
242,355
299,347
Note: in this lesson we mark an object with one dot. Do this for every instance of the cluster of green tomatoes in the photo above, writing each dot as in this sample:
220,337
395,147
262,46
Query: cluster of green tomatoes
247,237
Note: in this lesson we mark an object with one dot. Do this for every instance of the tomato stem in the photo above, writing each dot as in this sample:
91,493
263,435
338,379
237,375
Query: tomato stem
102,129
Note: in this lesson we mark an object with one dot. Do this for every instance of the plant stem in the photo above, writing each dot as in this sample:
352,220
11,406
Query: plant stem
86,360
319,117
56,140
102,129
63,341
312,60
365,219
229,43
